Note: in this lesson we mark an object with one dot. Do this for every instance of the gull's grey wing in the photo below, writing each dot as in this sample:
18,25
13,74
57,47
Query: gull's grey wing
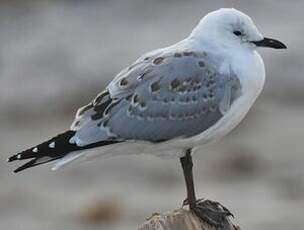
159,97
88,118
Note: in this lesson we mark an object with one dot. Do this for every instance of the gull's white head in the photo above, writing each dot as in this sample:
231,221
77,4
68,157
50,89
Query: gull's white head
231,28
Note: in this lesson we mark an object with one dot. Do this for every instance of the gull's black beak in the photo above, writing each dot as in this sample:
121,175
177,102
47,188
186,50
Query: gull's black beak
271,43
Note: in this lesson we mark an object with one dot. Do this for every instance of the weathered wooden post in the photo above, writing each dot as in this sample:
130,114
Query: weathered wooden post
183,219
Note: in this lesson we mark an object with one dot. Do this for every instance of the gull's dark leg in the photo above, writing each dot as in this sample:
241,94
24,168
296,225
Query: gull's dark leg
209,211
187,166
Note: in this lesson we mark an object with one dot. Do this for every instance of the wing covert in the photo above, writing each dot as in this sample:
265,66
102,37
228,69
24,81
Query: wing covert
160,97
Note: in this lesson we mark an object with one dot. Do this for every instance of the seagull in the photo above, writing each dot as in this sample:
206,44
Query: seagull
170,101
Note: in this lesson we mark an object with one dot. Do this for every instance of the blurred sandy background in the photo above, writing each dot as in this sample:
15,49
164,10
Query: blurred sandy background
57,55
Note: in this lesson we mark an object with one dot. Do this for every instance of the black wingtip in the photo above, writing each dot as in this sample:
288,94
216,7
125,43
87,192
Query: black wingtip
27,154
35,162
12,158
25,166
51,150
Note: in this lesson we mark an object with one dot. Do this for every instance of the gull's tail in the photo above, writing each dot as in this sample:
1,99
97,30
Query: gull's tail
51,150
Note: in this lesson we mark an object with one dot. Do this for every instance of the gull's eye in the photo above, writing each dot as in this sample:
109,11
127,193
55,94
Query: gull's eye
237,33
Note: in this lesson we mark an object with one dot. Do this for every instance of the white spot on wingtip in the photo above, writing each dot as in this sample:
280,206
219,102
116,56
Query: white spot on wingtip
35,150
52,145
18,156
72,140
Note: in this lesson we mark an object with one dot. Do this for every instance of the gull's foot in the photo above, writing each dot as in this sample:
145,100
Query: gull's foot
211,212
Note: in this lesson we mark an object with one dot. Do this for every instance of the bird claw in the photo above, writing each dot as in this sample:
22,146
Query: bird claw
221,208
211,212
